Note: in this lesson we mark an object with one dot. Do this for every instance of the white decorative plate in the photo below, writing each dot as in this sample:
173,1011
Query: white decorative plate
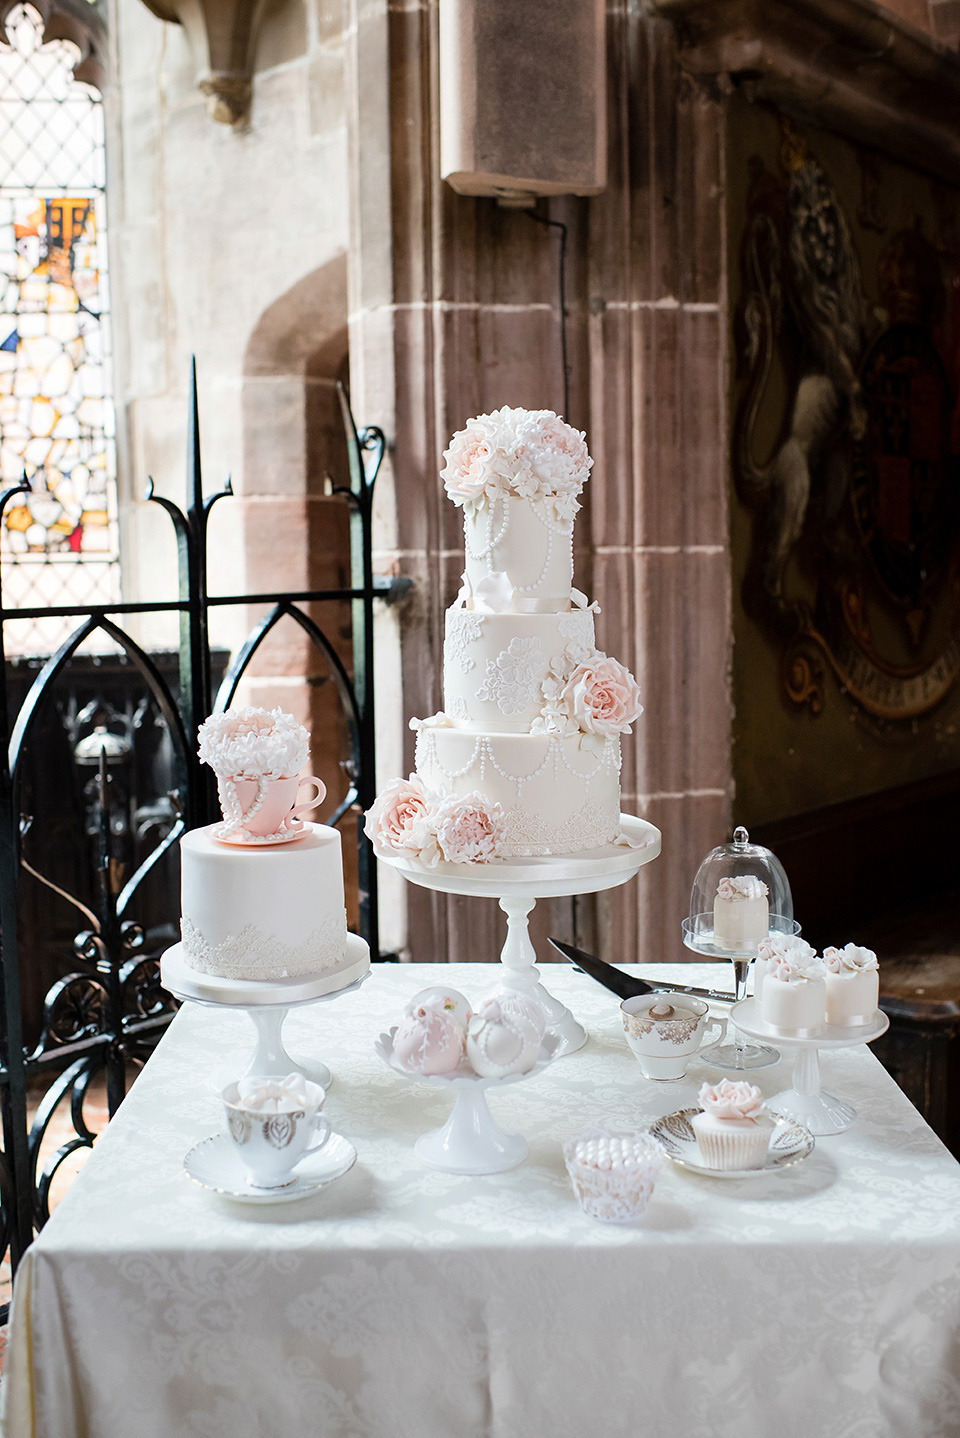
223,835
791,1143
214,1164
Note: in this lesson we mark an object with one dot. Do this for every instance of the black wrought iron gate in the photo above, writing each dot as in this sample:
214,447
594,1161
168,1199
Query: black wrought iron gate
109,1009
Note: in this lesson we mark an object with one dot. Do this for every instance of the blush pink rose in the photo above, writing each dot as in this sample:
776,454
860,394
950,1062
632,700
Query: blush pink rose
603,696
392,819
731,1100
469,830
480,461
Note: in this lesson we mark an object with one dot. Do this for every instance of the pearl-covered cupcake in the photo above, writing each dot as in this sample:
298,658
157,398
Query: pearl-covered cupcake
793,1001
733,1130
852,980
741,913
613,1174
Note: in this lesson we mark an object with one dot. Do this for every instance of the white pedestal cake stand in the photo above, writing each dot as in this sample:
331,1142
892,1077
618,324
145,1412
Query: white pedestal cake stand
268,1004
806,1102
519,883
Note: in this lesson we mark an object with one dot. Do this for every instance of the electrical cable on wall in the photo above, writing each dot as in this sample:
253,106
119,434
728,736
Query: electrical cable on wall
559,225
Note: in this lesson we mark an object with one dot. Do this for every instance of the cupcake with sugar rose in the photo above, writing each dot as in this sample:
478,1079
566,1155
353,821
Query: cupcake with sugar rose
852,977
733,1129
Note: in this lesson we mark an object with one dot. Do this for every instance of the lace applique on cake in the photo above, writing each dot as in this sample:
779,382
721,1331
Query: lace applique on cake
463,629
577,626
252,954
513,678
457,708
527,832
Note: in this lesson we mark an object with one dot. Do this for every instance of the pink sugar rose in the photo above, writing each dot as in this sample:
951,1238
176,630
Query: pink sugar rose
731,1100
481,460
469,830
393,817
603,696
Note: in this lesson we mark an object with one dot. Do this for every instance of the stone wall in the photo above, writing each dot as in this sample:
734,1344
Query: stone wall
230,244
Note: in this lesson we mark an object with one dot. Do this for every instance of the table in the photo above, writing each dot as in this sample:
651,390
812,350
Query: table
405,1303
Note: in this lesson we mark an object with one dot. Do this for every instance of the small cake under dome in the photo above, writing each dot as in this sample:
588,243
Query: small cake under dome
740,895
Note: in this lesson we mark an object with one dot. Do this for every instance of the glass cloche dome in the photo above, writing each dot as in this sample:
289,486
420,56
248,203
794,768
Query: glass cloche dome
740,895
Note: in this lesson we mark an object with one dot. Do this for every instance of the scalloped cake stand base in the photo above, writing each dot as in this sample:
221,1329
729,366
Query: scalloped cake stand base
519,883
267,1005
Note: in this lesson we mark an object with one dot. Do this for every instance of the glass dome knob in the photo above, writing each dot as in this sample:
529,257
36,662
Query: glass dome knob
740,835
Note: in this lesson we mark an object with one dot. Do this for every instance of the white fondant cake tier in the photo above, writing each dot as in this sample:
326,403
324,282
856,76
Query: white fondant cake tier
263,913
522,539
793,1005
559,794
494,665
852,998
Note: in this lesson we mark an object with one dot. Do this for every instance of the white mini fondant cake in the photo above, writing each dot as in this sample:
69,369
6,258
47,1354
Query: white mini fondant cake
741,916
852,980
524,759
794,995
733,1129
259,910
774,948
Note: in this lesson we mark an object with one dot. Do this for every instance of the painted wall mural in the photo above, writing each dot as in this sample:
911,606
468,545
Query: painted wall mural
845,461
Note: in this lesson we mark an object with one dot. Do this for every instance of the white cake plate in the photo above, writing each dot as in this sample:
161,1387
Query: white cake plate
268,1004
471,1141
519,883
806,1102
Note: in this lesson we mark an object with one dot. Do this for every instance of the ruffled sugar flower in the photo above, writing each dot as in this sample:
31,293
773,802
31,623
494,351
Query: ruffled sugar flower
731,1100
603,696
743,886
851,959
795,968
253,743
392,819
469,830
530,453
785,946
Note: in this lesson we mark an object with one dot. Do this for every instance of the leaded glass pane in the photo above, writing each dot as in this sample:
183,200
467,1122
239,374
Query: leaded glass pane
60,544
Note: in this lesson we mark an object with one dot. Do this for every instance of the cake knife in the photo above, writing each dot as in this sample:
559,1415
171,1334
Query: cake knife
627,986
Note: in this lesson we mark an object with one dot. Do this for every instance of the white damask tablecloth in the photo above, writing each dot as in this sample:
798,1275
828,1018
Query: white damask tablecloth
404,1303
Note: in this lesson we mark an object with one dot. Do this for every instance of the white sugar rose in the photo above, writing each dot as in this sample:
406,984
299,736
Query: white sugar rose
391,820
469,830
742,886
851,959
603,696
795,968
786,946
731,1100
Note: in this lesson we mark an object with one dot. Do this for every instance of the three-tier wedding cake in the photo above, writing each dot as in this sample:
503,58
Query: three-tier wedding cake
524,758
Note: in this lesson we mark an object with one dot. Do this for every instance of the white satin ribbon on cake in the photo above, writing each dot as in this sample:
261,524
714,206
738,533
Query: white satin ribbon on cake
776,1032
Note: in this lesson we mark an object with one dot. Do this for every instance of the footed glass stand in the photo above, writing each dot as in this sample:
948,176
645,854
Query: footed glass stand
737,1054
267,1005
519,883
806,1102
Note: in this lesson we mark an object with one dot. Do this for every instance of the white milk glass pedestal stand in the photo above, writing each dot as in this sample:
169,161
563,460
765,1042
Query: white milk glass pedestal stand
518,884
806,1102
267,1005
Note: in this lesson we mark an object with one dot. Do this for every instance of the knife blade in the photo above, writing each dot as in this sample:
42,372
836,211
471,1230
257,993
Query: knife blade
627,986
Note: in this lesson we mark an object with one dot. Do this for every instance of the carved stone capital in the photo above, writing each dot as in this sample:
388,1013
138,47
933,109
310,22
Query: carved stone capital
223,37
75,20
851,65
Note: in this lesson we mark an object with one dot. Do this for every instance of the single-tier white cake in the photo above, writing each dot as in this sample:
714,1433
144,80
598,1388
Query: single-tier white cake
852,980
774,948
263,913
524,758
794,996
741,916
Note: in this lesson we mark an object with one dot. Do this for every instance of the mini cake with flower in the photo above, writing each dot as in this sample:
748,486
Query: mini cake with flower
852,978
793,1001
524,758
262,891
774,948
741,914
733,1129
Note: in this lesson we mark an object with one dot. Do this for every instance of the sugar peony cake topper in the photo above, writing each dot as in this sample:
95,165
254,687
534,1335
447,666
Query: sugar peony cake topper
532,454
257,755
405,817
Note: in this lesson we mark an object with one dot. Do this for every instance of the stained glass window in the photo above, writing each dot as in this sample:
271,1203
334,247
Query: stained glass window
60,544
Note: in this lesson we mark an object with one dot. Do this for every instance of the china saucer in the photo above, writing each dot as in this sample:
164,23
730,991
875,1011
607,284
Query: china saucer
223,835
791,1143
214,1164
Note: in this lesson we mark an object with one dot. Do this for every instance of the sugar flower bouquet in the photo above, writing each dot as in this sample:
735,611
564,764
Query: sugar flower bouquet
404,818
530,453
253,743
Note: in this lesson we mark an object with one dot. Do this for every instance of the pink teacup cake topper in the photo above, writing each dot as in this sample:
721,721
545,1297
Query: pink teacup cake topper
257,755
